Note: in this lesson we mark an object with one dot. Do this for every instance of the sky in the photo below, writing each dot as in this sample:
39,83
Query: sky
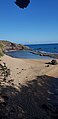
36,24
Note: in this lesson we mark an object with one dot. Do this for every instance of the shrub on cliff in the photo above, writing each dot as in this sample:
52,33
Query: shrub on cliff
1,52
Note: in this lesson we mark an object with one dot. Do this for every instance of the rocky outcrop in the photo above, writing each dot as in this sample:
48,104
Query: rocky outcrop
54,62
52,55
7,46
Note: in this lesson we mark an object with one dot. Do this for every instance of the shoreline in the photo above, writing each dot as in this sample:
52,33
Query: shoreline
31,59
23,70
51,55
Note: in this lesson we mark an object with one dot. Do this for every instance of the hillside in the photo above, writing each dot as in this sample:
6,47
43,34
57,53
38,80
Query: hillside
7,46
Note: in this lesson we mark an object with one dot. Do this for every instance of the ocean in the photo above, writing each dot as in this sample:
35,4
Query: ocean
48,48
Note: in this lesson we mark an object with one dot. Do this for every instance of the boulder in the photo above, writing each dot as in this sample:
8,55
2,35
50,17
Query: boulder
54,62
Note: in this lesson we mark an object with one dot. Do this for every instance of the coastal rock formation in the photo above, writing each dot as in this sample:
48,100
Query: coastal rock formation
7,46
52,55
54,62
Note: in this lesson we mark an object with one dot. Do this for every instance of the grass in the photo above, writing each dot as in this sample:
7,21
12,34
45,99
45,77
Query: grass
1,49
1,52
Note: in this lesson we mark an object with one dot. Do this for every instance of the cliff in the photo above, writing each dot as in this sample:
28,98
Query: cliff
7,46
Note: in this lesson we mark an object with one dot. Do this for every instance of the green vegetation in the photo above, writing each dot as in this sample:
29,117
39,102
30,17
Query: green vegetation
1,52
1,49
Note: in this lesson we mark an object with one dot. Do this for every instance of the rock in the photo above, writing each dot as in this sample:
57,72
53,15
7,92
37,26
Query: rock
41,54
47,65
4,72
54,62
9,46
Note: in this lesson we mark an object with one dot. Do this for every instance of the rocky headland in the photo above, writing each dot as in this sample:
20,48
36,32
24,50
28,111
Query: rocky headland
6,46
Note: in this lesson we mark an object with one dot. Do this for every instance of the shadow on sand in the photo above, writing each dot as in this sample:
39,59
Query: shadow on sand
38,99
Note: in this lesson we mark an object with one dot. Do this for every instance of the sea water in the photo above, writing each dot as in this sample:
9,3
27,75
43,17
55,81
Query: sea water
49,48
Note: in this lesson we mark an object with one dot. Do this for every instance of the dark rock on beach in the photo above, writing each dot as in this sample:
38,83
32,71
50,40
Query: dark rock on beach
54,62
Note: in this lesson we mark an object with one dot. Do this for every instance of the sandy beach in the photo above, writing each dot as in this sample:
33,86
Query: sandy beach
32,94
22,70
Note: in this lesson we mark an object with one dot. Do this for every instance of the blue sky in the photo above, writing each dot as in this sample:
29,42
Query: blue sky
38,23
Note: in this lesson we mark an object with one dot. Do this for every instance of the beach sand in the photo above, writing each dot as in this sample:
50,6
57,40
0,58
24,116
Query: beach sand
35,89
23,70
